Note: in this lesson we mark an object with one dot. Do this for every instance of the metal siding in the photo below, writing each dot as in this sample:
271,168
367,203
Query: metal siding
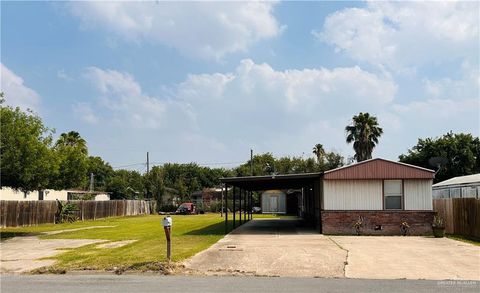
418,195
352,194
379,169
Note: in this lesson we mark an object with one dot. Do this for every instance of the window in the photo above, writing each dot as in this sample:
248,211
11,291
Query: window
393,193
455,192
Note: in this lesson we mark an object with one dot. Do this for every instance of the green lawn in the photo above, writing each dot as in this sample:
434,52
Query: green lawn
471,240
190,234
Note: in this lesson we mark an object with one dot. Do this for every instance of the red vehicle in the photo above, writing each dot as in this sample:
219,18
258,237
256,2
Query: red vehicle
186,208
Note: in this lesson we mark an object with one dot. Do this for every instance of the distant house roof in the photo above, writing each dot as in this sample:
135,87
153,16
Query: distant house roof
461,180
379,169
86,191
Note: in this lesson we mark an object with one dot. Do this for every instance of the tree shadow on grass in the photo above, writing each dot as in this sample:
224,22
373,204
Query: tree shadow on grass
7,235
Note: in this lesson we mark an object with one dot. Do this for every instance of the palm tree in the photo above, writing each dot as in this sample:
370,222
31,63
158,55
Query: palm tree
319,152
364,133
72,139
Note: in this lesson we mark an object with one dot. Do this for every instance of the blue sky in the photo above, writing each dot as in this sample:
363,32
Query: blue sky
206,82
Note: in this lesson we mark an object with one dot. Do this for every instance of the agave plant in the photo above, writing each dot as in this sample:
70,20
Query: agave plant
438,222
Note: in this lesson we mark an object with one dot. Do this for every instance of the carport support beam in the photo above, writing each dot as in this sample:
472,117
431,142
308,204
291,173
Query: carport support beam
240,206
234,206
226,207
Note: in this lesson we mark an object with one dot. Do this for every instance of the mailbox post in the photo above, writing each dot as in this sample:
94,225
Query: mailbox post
167,226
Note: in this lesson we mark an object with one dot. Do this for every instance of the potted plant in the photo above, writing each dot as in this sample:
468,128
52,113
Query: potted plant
404,227
358,225
438,227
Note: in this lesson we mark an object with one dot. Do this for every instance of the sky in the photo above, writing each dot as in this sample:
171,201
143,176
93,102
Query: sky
206,82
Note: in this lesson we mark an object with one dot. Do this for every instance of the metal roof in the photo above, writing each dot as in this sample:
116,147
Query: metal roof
468,179
379,169
288,181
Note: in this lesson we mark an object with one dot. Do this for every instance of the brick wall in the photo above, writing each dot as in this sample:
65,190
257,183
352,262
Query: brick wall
341,222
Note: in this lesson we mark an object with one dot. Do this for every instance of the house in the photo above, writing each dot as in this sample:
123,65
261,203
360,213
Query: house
381,194
206,196
7,193
377,193
462,186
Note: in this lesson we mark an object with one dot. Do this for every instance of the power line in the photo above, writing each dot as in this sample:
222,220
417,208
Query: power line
131,165
199,164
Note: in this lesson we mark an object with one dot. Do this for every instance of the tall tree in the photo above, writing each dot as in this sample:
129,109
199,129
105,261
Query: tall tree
125,184
319,153
154,184
26,159
101,171
461,150
72,139
364,132
71,152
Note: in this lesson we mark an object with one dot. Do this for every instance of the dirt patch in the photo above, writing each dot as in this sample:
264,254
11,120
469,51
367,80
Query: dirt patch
77,229
23,254
115,244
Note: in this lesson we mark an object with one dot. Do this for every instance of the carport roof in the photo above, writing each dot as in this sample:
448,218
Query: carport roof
290,181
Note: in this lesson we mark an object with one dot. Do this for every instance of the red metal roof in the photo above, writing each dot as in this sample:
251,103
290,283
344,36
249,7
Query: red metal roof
379,169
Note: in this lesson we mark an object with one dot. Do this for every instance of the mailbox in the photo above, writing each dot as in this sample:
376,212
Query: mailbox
167,222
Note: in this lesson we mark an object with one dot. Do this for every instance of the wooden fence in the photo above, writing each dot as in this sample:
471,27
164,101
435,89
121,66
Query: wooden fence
461,215
31,213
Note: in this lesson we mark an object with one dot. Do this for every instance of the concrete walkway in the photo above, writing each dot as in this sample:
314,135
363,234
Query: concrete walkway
272,247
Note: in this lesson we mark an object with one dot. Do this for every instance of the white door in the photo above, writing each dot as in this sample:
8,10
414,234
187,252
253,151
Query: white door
274,204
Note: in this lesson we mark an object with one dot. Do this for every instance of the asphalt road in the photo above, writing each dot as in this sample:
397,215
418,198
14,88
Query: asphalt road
137,283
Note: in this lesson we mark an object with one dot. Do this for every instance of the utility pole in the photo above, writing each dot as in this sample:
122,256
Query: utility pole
148,164
251,162
91,182
148,170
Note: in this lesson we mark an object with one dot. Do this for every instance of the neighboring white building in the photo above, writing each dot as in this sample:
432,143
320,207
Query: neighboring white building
7,193
274,201
458,187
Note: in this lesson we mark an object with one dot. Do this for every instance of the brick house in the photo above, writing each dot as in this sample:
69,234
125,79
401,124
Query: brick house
382,194
379,193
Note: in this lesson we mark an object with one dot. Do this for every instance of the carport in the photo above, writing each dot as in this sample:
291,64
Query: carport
239,190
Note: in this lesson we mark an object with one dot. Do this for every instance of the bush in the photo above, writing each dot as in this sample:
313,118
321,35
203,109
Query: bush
66,212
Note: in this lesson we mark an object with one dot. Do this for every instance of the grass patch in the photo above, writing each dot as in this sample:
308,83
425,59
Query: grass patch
190,234
471,240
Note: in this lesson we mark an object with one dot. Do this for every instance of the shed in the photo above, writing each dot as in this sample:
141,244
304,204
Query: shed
274,202
458,187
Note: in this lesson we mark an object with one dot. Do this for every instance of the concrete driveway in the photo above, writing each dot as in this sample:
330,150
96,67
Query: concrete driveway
396,257
272,247
279,247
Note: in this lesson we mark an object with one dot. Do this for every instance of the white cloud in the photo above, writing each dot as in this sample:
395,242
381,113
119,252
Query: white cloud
282,111
468,86
223,115
85,112
61,74
122,95
16,92
122,101
404,35
200,29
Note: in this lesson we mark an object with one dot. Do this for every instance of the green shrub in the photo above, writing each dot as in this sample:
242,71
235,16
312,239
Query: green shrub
67,212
